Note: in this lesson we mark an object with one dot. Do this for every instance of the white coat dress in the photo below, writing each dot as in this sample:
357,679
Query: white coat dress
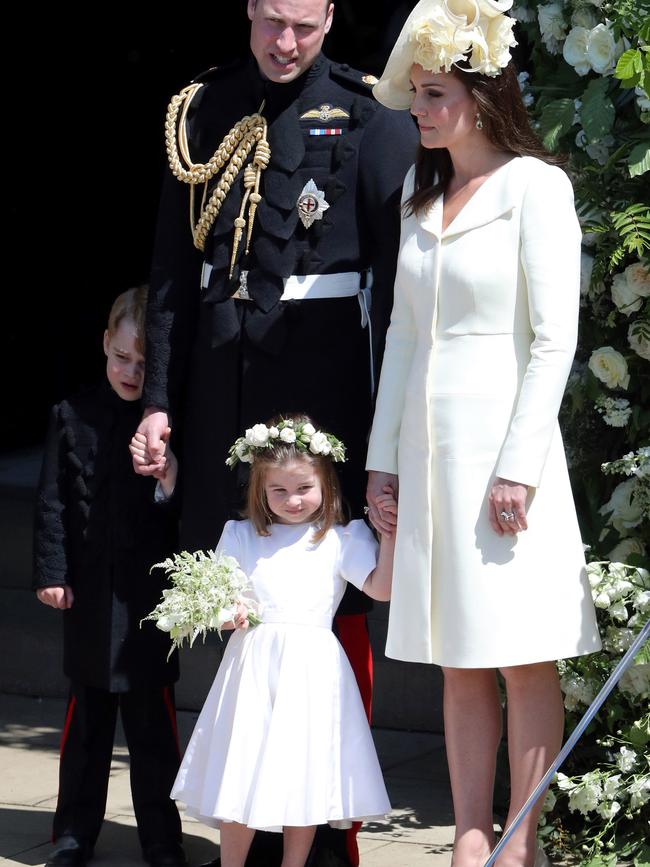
481,340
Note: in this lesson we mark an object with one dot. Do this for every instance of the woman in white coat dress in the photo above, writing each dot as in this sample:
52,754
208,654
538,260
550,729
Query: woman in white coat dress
489,568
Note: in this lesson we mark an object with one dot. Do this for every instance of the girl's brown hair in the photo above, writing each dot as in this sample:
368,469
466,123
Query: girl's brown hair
131,305
505,124
257,508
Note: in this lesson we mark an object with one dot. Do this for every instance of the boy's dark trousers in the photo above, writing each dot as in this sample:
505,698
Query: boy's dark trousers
149,722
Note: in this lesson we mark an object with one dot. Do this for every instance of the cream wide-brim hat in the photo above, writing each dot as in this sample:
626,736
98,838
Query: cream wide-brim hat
393,87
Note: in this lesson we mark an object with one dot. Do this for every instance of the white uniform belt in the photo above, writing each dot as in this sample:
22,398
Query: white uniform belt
314,286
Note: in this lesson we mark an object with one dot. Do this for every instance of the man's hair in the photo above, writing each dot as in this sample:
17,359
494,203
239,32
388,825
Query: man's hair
327,4
257,508
130,305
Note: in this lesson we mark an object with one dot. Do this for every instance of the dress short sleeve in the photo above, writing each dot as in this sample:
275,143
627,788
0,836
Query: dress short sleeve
358,552
230,543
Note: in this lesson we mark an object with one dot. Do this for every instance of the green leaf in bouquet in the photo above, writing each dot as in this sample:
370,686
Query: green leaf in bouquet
643,858
630,68
556,120
597,113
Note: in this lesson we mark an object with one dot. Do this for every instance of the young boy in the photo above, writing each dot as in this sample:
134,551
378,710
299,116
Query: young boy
98,531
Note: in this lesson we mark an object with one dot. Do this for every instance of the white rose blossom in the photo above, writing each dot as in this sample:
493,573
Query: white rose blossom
308,429
626,510
521,12
610,367
319,444
602,51
638,336
552,25
636,681
288,435
574,50
630,288
258,435
621,552
584,18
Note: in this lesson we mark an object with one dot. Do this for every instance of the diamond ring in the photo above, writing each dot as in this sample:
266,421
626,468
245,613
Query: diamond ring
507,516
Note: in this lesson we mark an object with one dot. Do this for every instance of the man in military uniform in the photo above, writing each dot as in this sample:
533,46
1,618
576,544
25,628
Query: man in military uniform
273,269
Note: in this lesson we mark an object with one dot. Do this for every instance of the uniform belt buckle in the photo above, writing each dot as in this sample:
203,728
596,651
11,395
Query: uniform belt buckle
241,293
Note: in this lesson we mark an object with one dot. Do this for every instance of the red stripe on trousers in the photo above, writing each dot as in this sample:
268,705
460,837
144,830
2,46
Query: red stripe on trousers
171,710
68,722
352,630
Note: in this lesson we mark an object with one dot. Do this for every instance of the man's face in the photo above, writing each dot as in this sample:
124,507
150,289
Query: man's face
287,35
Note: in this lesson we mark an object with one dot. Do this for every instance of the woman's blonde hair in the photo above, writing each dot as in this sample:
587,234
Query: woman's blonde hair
257,509
130,305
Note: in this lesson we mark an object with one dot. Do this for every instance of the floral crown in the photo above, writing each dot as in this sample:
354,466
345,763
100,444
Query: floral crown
300,434
439,34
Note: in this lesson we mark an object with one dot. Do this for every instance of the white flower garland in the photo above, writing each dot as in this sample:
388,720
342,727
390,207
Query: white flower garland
302,435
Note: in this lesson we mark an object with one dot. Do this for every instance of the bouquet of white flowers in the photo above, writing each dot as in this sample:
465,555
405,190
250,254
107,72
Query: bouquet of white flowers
205,592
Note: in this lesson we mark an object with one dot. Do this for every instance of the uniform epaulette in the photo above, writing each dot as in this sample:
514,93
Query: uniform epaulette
362,80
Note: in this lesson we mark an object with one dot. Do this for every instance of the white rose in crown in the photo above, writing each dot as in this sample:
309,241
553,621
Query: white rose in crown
319,444
257,436
308,429
288,435
602,51
242,452
274,433
610,367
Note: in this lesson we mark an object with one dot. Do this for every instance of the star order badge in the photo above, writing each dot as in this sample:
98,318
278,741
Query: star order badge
311,204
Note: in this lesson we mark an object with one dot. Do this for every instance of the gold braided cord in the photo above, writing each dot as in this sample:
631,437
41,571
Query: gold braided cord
248,133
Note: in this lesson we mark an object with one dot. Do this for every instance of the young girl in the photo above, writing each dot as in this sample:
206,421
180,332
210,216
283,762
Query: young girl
282,743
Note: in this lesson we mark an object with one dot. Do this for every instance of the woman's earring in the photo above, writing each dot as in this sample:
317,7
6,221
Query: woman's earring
479,122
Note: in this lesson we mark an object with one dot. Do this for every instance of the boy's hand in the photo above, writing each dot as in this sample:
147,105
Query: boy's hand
56,597
154,428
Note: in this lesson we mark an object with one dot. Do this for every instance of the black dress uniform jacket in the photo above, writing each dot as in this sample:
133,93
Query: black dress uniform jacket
226,364
98,529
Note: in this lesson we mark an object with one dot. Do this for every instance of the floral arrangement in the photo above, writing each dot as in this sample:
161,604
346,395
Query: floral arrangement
587,90
475,31
204,594
300,434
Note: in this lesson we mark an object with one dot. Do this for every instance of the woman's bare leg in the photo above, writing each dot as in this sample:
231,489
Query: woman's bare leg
297,843
535,728
234,842
472,733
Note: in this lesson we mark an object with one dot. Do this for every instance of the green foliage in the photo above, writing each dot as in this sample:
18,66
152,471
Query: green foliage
599,118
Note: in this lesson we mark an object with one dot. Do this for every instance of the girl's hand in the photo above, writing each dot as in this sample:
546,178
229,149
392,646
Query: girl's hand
56,597
240,620
387,506
379,484
507,507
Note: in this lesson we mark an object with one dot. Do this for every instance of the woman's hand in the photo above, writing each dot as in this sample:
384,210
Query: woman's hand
507,507
379,484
